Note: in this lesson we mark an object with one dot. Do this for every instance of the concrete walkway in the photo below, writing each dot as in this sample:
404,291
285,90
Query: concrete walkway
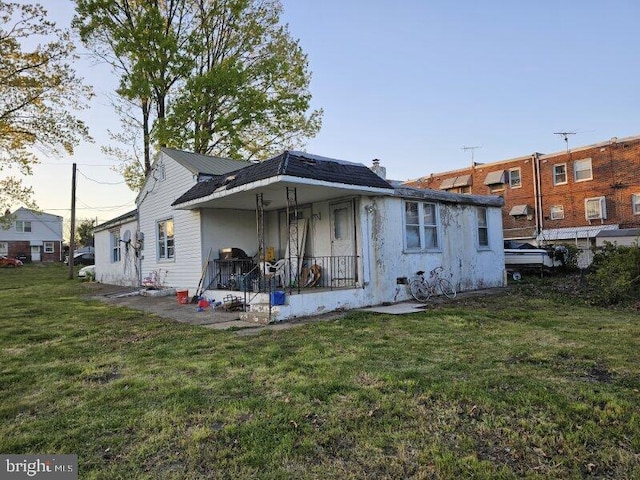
168,307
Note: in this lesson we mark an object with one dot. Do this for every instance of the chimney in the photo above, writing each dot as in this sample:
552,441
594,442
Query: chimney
378,170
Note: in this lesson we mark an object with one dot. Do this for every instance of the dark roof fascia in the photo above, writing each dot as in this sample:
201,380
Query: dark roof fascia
119,220
448,197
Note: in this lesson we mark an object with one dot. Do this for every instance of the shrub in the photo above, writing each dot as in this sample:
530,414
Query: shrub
568,254
616,274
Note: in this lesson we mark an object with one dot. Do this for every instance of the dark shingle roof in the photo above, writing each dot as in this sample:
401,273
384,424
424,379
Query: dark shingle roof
294,164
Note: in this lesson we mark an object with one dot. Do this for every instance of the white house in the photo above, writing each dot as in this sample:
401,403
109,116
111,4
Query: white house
34,236
336,235
117,250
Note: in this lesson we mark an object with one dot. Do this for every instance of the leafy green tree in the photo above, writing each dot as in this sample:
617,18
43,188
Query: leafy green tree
38,92
237,81
248,95
144,42
84,233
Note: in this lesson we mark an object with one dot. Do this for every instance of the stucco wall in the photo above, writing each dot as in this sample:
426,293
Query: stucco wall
125,272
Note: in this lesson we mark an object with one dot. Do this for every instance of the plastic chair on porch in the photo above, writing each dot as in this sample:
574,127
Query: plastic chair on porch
274,270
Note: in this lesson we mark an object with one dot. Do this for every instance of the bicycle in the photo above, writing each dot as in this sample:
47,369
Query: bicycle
422,289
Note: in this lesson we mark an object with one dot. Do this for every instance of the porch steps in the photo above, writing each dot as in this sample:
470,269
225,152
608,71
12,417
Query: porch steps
259,313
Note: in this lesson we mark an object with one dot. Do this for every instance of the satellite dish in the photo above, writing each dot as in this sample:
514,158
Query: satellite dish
126,238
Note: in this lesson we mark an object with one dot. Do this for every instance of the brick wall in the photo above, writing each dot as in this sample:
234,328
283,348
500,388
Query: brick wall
19,248
615,175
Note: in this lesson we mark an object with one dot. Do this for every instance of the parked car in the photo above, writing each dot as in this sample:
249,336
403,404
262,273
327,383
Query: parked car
83,258
87,272
9,262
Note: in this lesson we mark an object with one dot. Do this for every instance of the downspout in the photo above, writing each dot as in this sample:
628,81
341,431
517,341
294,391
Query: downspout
537,193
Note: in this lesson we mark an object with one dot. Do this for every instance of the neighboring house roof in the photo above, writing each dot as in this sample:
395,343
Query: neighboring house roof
623,232
198,163
124,218
23,213
290,164
570,233
448,197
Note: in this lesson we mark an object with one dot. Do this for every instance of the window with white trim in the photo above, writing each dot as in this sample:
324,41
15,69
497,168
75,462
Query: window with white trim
582,170
421,226
595,208
49,247
115,246
514,178
23,226
557,212
483,227
4,248
166,246
560,174
635,203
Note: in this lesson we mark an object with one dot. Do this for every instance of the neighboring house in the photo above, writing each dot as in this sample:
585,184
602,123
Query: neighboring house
34,236
117,247
562,197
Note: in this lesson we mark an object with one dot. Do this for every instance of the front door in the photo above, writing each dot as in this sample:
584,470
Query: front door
35,253
343,244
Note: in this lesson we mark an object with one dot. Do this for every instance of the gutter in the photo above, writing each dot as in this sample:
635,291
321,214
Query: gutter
537,192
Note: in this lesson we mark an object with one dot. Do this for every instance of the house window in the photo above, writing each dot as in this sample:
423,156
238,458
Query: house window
4,248
23,226
560,174
635,202
166,248
421,226
595,208
582,170
115,247
557,212
483,227
514,178
48,247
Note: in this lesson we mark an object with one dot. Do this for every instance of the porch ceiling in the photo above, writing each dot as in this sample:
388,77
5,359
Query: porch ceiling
275,194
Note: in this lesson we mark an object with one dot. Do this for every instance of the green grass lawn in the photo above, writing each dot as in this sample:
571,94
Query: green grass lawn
505,386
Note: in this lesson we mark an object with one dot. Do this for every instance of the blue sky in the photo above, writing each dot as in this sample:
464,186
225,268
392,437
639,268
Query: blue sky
412,82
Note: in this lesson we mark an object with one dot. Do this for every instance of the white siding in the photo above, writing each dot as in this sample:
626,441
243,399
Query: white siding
154,205
44,227
125,272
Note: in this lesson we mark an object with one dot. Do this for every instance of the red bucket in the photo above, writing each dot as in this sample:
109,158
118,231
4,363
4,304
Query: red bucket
182,296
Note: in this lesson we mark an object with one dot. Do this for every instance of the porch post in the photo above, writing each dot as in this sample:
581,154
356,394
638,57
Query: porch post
260,227
293,234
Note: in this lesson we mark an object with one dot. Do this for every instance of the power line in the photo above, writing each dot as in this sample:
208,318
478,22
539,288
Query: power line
101,183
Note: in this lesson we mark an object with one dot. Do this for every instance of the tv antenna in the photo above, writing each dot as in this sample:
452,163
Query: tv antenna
465,148
565,135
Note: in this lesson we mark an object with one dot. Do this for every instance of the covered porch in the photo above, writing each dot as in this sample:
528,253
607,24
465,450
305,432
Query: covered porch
290,224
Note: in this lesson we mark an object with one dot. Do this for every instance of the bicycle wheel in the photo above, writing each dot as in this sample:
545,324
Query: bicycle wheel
420,291
446,288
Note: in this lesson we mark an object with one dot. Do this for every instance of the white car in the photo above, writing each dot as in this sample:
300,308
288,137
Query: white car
88,271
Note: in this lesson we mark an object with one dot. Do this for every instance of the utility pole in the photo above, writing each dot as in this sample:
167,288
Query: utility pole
72,238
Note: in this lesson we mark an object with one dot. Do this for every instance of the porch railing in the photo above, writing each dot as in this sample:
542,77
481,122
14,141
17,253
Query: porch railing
312,272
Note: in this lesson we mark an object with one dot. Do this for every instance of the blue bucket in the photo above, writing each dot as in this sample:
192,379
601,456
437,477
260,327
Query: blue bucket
277,297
